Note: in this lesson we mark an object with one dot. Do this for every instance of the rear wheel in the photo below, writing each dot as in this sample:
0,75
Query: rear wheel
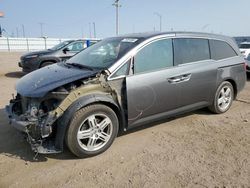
92,130
223,98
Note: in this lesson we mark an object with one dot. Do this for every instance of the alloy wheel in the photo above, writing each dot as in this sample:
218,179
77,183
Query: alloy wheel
94,132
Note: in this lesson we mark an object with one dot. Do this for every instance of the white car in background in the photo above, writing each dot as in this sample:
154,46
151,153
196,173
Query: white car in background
248,63
245,48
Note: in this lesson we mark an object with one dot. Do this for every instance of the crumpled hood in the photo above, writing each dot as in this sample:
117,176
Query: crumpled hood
38,83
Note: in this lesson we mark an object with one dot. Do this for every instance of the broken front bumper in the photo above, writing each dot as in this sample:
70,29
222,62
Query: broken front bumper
15,121
41,145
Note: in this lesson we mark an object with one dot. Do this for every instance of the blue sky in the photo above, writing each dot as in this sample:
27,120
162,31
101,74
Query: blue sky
64,18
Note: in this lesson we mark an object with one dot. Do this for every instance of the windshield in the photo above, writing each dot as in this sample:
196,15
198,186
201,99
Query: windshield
60,45
245,46
104,53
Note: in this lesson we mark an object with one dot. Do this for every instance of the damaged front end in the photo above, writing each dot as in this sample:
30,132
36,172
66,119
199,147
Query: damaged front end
40,118
33,117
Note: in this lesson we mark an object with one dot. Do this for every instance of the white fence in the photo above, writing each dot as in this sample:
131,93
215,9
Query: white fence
29,44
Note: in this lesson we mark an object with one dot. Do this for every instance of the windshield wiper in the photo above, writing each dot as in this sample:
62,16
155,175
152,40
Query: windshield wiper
81,66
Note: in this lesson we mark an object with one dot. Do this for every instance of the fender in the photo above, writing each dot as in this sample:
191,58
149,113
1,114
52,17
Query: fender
49,58
234,74
75,106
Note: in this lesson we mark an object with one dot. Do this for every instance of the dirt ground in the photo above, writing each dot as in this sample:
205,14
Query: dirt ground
197,149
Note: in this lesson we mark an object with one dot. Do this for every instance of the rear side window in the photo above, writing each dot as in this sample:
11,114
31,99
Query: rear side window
221,50
188,50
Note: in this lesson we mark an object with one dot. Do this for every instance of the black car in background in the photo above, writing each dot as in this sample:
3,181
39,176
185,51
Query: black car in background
64,50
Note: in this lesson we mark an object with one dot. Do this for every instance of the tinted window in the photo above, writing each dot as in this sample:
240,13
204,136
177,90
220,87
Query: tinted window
154,56
245,46
221,50
77,46
190,50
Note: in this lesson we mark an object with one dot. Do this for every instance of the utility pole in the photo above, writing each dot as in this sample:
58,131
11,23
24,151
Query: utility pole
94,30
117,6
41,28
23,31
90,33
160,17
82,32
17,33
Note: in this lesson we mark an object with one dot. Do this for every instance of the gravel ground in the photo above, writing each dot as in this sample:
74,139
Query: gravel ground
198,149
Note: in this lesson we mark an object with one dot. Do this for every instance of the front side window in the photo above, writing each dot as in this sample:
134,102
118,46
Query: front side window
76,47
188,50
60,45
221,50
156,55
105,53
123,71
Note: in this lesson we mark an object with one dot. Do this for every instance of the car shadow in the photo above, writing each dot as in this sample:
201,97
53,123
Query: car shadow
14,145
203,111
16,74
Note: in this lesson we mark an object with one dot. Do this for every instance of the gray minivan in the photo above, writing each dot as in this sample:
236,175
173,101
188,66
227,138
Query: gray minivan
123,82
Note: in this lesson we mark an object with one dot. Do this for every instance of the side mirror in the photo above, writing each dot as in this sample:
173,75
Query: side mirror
65,50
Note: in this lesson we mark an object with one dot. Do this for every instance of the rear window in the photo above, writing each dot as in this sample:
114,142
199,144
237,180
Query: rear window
221,50
190,50
244,46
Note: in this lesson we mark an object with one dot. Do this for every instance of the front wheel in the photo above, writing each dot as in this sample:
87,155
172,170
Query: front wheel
92,130
223,98
47,63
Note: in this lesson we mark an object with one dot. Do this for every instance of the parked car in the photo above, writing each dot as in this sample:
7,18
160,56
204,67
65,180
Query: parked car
248,64
123,82
245,48
64,50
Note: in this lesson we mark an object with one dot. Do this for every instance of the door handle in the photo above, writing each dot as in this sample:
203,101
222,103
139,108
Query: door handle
178,79
174,80
186,77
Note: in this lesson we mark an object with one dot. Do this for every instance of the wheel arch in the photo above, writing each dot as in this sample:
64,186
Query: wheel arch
232,81
45,59
79,104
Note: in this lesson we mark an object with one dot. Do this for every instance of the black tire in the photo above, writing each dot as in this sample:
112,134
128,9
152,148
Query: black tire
82,116
248,75
47,63
215,107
